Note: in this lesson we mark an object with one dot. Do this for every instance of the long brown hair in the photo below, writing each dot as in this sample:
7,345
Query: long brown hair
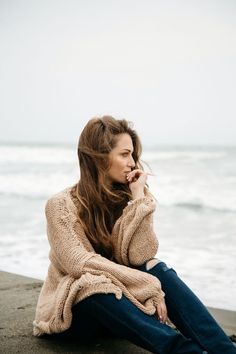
100,204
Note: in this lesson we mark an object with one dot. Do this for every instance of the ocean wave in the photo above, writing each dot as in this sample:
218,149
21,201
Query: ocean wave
199,207
183,155
26,196
36,154
33,185
44,195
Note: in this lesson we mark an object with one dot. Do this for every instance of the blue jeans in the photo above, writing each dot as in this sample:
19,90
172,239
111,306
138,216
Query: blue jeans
198,332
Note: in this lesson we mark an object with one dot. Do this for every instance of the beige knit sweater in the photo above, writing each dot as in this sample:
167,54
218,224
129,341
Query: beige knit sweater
76,271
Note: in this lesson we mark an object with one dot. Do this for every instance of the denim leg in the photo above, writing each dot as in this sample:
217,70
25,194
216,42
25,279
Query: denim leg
84,327
188,313
125,320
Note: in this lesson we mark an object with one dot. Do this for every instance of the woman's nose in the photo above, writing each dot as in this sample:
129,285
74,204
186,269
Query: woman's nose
131,162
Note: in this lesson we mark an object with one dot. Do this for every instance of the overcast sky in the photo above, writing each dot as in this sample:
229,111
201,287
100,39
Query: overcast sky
168,66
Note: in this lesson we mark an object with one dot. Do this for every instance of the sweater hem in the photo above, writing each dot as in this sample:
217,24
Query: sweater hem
41,328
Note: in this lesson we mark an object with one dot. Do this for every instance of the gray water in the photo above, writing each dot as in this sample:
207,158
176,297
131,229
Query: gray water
194,220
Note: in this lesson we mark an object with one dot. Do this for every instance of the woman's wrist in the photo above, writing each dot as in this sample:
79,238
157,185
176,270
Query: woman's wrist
137,195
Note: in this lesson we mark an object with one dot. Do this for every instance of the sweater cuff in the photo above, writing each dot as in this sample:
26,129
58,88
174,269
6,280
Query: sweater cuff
147,200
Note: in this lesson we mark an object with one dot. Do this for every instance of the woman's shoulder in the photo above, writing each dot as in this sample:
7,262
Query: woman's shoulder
63,193
62,198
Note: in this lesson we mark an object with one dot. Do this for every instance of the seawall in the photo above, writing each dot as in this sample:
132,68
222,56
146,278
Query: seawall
18,298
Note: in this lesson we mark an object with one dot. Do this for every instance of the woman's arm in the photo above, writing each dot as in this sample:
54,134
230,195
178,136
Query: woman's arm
63,233
133,235
70,256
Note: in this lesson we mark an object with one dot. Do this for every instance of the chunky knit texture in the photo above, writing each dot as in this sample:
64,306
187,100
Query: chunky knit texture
76,271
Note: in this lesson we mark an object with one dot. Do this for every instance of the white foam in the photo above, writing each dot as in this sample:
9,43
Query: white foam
35,154
195,220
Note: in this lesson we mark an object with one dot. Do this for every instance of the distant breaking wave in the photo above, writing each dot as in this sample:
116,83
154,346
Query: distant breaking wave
24,195
44,195
198,179
199,207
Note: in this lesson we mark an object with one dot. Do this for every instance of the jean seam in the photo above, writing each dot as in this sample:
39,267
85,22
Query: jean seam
185,319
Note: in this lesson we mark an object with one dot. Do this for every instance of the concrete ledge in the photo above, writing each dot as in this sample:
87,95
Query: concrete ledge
18,299
226,318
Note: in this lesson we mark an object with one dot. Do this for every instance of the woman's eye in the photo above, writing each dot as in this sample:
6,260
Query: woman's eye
125,154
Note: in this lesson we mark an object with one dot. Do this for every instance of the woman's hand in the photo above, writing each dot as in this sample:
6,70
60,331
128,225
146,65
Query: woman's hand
161,312
137,179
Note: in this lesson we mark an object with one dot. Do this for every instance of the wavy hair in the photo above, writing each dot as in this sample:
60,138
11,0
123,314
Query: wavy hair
101,204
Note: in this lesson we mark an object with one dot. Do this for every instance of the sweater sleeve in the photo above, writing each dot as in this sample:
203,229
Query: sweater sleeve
70,256
67,251
133,235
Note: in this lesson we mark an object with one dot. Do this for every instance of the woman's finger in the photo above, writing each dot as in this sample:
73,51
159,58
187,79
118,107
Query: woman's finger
135,176
135,172
159,313
162,312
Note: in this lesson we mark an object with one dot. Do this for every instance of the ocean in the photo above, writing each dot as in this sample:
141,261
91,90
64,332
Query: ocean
194,221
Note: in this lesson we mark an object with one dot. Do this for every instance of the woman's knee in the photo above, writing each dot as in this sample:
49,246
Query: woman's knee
162,267
151,263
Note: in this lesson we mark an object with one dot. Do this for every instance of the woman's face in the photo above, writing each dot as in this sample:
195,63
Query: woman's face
121,160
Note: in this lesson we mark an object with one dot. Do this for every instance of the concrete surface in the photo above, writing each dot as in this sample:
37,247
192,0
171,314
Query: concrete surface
18,298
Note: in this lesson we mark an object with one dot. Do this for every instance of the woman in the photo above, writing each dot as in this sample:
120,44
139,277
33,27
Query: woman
103,275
